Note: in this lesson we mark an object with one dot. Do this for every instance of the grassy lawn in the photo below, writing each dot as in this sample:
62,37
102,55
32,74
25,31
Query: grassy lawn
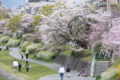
89,58
68,52
36,70
2,78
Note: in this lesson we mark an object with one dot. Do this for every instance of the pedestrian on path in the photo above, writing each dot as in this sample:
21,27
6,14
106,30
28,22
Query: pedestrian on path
27,66
22,55
0,47
19,67
81,71
27,54
61,71
15,65
68,71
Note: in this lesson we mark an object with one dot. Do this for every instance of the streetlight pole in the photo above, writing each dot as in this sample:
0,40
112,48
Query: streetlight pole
93,64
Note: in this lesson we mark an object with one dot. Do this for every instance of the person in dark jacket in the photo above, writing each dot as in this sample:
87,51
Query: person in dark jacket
27,54
19,67
68,71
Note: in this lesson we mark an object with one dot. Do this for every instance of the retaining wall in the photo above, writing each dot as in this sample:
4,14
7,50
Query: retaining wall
75,63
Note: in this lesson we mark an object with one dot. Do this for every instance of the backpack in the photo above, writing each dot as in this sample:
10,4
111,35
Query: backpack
68,69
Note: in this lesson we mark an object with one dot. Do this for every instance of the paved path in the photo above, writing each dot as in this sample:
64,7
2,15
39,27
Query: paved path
15,53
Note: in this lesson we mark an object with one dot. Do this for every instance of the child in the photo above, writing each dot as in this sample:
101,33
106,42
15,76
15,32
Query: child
22,55
19,67
68,71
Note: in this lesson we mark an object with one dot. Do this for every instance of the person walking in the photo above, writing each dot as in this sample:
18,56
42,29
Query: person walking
0,47
27,66
15,65
61,71
81,71
68,71
27,54
22,55
19,67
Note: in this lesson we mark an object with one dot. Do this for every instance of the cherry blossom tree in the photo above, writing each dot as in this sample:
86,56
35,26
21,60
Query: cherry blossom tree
72,26
46,8
111,41
3,24
14,23
26,23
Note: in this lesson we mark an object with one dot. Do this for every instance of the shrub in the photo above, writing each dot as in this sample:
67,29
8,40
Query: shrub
98,77
80,54
33,39
25,36
24,46
32,47
44,55
110,74
13,43
96,46
35,52
19,35
4,39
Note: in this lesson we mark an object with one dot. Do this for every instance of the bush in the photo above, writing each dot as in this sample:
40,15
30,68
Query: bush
44,55
98,77
19,35
80,54
24,46
32,47
25,36
35,52
110,74
97,48
33,39
13,43
4,39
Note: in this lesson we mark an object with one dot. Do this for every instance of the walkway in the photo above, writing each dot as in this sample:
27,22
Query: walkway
15,53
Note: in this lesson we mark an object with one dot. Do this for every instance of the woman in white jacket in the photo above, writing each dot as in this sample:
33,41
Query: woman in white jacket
61,71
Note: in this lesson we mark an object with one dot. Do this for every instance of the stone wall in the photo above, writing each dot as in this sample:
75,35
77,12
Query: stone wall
100,66
75,63
9,76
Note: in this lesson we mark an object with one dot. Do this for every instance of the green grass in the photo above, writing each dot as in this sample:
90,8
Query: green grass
36,70
2,78
21,39
4,44
89,58
86,52
68,52
98,77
